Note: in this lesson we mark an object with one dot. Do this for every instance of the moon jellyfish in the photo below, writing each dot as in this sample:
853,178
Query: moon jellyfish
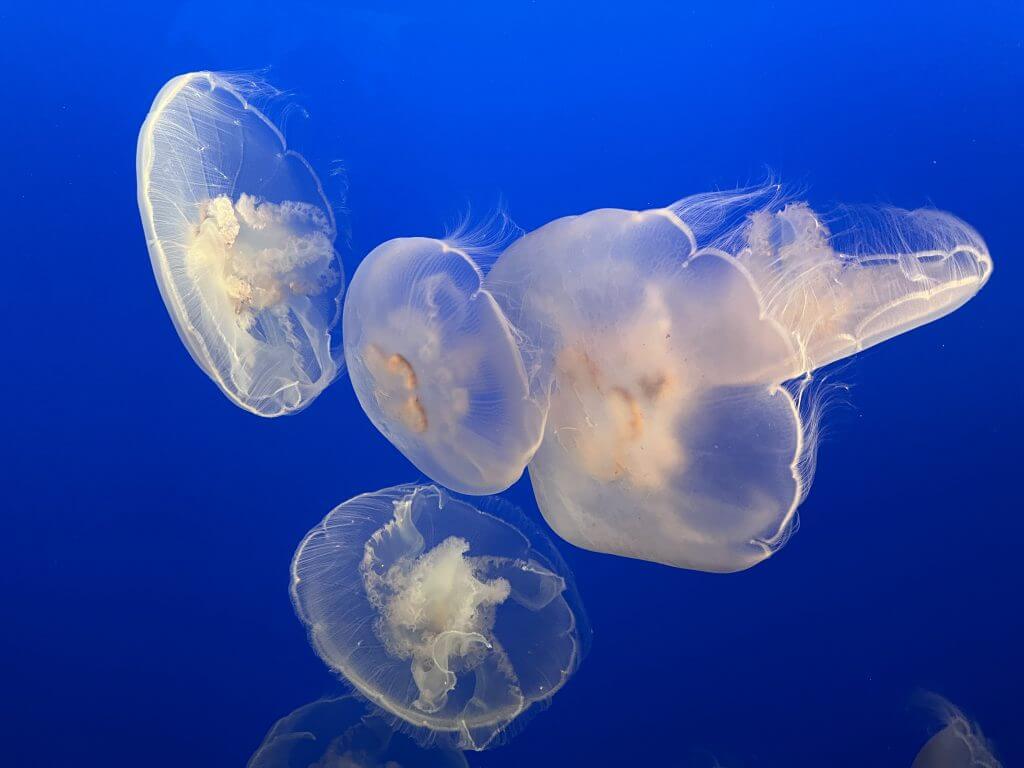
443,615
336,732
960,743
436,366
241,238
667,346
846,285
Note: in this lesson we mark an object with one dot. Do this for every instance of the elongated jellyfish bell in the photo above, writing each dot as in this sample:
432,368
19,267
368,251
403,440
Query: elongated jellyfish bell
669,350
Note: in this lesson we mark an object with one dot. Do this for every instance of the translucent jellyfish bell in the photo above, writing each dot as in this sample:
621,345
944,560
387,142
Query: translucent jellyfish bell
861,278
443,615
436,366
337,732
662,342
241,238
668,437
959,744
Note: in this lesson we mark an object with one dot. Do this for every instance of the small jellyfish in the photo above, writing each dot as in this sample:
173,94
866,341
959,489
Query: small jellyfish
336,732
241,238
436,365
443,615
667,347
960,743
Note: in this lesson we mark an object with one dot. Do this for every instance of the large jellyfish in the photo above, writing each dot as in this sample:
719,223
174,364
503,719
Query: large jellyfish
436,365
241,238
959,744
443,615
336,732
663,346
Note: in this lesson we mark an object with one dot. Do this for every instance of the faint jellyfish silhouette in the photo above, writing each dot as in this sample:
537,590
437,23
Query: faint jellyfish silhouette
959,744
443,615
337,732
436,365
241,238
669,349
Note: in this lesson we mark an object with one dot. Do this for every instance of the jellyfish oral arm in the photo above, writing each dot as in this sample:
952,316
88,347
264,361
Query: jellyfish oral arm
264,254
436,610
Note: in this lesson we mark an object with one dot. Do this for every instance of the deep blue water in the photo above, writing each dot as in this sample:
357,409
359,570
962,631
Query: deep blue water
147,524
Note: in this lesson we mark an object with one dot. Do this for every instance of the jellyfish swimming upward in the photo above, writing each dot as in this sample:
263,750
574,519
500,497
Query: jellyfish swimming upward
447,617
241,239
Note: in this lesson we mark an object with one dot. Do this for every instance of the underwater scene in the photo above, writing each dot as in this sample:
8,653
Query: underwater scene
513,384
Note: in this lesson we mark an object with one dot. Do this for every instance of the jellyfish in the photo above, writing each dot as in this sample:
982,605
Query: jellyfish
671,351
841,286
445,616
959,744
241,239
436,365
336,732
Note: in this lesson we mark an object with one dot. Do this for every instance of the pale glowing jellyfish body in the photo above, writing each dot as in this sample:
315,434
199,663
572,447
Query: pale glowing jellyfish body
241,238
444,616
337,732
665,343
959,744
857,281
436,366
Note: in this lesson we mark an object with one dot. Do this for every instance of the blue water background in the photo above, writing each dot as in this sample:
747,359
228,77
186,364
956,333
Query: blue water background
146,524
